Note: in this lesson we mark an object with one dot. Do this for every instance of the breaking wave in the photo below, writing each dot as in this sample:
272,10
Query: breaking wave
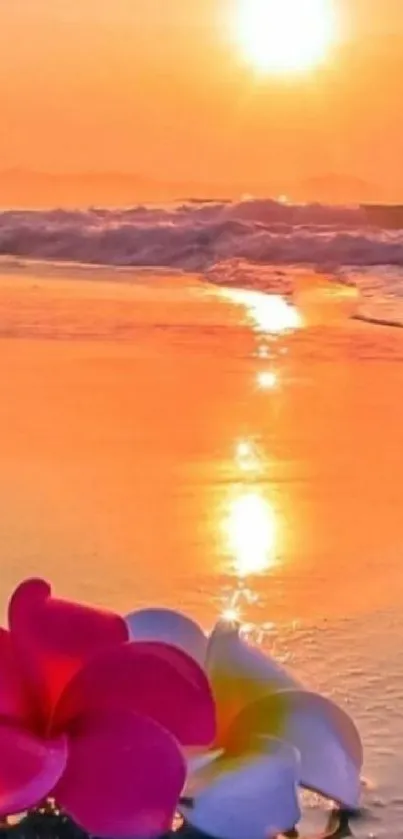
197,236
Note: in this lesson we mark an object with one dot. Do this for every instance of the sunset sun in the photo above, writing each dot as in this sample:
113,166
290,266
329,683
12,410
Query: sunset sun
285,36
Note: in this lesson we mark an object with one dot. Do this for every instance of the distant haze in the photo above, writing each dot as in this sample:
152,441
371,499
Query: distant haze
159,88
27,189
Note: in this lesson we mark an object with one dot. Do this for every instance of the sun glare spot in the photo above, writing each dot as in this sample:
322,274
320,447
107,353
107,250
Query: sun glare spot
267,380
270,313
244,449
251,533
285,36
247,457
231,615
263,352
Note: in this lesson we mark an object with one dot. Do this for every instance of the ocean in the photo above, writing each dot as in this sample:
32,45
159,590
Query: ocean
252,243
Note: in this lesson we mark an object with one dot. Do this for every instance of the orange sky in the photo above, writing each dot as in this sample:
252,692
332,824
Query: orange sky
159,87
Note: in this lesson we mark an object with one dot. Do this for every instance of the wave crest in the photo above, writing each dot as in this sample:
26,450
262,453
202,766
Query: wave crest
197,236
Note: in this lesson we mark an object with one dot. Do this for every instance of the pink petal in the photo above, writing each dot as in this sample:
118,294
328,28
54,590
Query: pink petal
29,768
56,637
15,702
149,678
124,776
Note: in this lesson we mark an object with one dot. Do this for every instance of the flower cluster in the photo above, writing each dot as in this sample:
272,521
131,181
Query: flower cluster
92,720
273,735
124,721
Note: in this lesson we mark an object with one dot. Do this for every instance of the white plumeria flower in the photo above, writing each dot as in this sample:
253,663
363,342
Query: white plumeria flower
253,795
272,734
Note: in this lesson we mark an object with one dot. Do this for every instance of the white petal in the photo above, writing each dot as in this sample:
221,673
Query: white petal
169,627
240,674
201,769
324,735
256,798
227,650
331,752
197,762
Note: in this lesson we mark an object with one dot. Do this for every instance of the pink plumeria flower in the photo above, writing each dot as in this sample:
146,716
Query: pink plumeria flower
92,720
272,735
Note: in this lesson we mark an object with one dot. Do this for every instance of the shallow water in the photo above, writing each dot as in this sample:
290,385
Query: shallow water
165,441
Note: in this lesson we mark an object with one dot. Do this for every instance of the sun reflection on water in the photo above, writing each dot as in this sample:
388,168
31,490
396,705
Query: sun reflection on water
231,614
274,314
250,522
250,528
267,379
247,457
270,313
263,351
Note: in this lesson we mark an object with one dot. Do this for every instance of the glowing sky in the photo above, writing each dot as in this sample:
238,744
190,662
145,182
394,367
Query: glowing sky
159,87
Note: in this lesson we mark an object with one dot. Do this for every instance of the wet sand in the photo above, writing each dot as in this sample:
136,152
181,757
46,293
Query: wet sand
160,442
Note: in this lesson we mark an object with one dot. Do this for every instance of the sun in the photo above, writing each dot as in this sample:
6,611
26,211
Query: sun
285,36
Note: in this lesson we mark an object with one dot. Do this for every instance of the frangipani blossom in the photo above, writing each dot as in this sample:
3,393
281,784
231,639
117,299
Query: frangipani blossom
92,720
257,700
253,795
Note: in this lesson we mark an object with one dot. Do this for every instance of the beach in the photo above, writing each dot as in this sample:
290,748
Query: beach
163,440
